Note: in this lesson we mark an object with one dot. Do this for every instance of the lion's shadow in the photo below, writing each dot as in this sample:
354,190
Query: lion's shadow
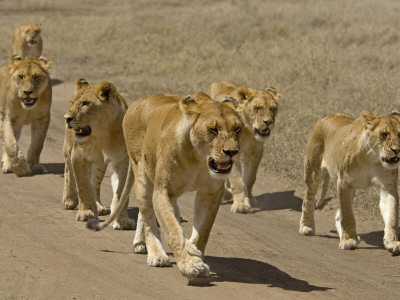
249,271
278,201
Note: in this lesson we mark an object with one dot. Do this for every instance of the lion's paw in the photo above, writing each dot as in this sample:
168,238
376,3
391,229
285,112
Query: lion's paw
140,248
158,261
306,230
125,223
6,165
84,215
194,266
241,208
393,247
69,203
348,244
20,166
102,210
38,169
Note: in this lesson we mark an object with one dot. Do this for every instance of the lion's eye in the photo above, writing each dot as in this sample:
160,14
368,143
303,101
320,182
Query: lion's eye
35,77
213,130
384,135
21,77
237,129
85,103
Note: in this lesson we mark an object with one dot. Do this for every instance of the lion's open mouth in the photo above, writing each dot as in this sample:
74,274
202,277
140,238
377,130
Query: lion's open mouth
263,133
220,167
28,101
83,131
393,160
32,43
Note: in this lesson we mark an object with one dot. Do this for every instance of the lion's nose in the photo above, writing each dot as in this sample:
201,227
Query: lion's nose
68,120
268,122
230,153
27,93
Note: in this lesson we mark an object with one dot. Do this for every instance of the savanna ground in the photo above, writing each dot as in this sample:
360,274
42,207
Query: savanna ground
323,56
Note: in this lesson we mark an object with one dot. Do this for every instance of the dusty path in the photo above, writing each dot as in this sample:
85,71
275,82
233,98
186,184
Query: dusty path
46,254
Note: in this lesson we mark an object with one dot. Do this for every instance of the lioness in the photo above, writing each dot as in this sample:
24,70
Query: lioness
177,145
93,139
26,40
258,109
25,98
355,153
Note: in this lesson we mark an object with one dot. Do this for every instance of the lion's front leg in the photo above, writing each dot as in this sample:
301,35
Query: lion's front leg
188,257
250,168
147,237
70,195
38,134
345,220
241,201
13,159
98,171
118,179
389,206
87,200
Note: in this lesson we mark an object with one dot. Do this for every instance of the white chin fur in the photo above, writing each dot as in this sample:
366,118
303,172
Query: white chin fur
28,107
390,166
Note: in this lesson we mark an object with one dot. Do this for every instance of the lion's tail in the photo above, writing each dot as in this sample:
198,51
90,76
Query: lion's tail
95,224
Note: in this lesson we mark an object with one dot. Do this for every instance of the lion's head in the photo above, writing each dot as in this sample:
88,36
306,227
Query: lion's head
30,76
383,136
259,109
214,130
92,108
31,33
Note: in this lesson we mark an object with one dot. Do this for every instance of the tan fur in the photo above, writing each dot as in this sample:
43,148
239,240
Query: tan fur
101,108
26,40
355,154
258,109
25,98
173,145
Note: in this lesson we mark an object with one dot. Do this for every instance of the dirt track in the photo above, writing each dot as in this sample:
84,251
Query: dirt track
46,254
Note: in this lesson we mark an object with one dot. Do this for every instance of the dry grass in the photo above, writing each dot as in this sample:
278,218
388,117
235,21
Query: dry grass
324,56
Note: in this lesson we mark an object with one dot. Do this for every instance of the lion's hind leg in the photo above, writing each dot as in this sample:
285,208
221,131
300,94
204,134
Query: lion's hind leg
325,184
312,178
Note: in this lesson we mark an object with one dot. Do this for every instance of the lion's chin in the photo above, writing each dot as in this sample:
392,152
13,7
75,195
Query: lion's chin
220,168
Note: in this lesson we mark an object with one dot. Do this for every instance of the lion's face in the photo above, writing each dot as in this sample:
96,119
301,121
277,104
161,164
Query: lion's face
31,34
215,131
260,108
90,108
30,77
384,135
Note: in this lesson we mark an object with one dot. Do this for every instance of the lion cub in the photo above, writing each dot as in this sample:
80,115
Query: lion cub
355,154
177,145
26,40
258,109
93,139
25,98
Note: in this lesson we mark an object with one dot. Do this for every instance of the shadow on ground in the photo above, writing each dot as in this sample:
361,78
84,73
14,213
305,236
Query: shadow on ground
243,270
278,201
54,168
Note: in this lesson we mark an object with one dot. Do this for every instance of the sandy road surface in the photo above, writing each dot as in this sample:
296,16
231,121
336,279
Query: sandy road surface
46,254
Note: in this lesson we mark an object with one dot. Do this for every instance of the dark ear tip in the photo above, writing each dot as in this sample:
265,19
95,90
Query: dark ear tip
188,99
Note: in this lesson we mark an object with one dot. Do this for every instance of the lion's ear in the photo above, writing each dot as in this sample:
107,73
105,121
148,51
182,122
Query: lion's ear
368,119
40,26
81,83
14,61
242,93
189,105
231,102
105,90
44,62
273,92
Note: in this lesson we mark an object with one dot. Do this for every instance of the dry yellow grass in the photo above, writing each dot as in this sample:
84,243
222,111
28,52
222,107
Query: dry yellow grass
323,56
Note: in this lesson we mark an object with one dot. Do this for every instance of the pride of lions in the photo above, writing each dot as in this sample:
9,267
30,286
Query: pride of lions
165,145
